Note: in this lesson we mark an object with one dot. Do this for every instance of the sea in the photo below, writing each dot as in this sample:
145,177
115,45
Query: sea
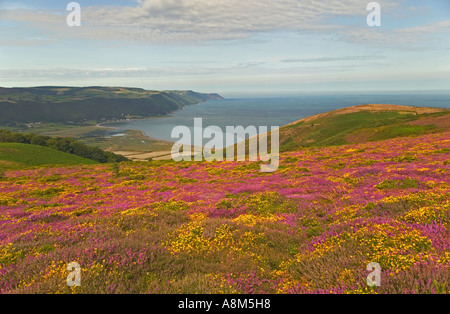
270,112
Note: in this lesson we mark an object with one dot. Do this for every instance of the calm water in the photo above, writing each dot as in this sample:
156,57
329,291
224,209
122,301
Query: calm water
271,111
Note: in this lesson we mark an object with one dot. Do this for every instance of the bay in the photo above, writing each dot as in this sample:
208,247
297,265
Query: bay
270,112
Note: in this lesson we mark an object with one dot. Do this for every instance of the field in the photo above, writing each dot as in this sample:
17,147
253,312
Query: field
163,227
18,156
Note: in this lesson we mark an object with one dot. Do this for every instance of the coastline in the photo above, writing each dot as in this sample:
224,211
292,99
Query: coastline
168,115
158,149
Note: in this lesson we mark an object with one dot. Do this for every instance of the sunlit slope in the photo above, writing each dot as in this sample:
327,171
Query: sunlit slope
362,124
16,156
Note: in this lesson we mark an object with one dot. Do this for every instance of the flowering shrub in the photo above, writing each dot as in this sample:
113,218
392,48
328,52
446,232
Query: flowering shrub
164,227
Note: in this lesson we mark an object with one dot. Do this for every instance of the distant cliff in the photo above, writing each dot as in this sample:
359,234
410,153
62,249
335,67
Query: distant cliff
80,104
214,97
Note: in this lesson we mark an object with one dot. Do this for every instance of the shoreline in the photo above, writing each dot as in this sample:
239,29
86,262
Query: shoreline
102,124
142,133
148,118
142,154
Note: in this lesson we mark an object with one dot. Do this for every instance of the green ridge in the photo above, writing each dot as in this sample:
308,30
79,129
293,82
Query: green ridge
18,156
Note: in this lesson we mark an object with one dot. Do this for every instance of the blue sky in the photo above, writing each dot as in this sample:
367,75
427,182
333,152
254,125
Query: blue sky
233,47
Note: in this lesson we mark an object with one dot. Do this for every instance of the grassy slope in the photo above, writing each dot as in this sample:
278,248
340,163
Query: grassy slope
16,156
98,136
362,124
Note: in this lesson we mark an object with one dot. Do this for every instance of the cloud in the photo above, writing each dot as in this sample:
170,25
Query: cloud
200,21
252,69
400,37
433,28
131,72
329,59
157,21
13,5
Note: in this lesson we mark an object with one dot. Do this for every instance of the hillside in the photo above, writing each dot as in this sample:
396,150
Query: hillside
200,228
80,104
362,124
62,144
18,156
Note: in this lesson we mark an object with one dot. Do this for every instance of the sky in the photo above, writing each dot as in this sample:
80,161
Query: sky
231,47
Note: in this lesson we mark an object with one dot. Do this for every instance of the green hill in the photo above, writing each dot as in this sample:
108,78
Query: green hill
360,124
62,144
17,156
76,105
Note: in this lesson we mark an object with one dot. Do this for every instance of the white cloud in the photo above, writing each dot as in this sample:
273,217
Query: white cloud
401,37
196,20
13,5
332,59
441,26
